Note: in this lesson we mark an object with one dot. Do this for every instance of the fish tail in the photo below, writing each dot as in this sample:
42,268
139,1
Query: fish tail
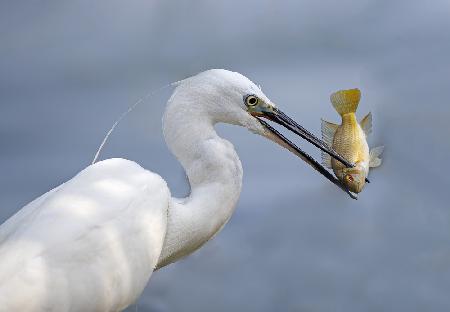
346,101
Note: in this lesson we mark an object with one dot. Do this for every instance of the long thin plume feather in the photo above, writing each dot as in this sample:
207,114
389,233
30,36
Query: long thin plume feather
124,114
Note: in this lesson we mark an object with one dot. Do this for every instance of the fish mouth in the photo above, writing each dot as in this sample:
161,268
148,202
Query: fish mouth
284,120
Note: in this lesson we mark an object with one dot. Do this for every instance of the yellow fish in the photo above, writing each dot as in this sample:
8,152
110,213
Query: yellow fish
349,139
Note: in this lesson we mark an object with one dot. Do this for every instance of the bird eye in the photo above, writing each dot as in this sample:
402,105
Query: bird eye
251,100
349,178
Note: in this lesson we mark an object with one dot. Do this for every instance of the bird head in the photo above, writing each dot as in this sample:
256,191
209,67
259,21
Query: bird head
229,97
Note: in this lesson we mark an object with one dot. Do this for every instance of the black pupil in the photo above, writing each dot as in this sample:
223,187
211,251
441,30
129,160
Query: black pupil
252,100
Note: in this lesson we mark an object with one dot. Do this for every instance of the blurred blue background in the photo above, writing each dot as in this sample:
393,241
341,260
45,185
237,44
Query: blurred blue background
68,69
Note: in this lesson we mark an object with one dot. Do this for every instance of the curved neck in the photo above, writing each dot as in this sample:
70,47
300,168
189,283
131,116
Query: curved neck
215,177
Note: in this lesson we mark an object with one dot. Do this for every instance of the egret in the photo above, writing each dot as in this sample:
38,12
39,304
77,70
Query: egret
92,243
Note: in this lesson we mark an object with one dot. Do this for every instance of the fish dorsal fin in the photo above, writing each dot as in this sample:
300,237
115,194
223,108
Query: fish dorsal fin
374,154
328,131
366,124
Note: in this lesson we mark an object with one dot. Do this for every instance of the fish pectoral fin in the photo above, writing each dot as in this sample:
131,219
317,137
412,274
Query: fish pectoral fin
374,154
328,131
366,124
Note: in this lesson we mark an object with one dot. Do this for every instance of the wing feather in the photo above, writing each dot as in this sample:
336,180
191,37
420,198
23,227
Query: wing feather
94,240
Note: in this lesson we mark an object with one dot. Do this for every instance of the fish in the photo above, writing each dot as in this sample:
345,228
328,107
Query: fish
349,139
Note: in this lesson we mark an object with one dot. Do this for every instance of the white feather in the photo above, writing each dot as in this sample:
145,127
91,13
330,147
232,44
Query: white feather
89,245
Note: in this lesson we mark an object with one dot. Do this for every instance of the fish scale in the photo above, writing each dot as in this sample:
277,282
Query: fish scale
349,141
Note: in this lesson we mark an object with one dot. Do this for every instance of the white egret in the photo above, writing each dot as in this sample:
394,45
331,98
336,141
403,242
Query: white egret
92,243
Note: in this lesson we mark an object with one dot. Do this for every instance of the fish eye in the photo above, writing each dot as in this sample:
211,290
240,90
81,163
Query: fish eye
251,100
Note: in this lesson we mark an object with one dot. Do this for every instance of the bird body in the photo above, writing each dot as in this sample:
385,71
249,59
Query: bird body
92,243
349,139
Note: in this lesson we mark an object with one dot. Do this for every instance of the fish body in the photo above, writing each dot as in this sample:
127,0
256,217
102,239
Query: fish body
349,139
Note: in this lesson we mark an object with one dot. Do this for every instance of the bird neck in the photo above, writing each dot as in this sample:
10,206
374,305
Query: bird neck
214,172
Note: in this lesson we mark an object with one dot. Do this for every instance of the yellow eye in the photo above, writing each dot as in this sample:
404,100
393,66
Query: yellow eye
251,100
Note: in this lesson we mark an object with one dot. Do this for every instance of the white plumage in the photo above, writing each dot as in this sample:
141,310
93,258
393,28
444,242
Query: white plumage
88,245
92,243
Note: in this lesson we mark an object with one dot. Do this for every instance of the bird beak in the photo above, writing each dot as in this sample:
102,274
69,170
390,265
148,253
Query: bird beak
275,115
